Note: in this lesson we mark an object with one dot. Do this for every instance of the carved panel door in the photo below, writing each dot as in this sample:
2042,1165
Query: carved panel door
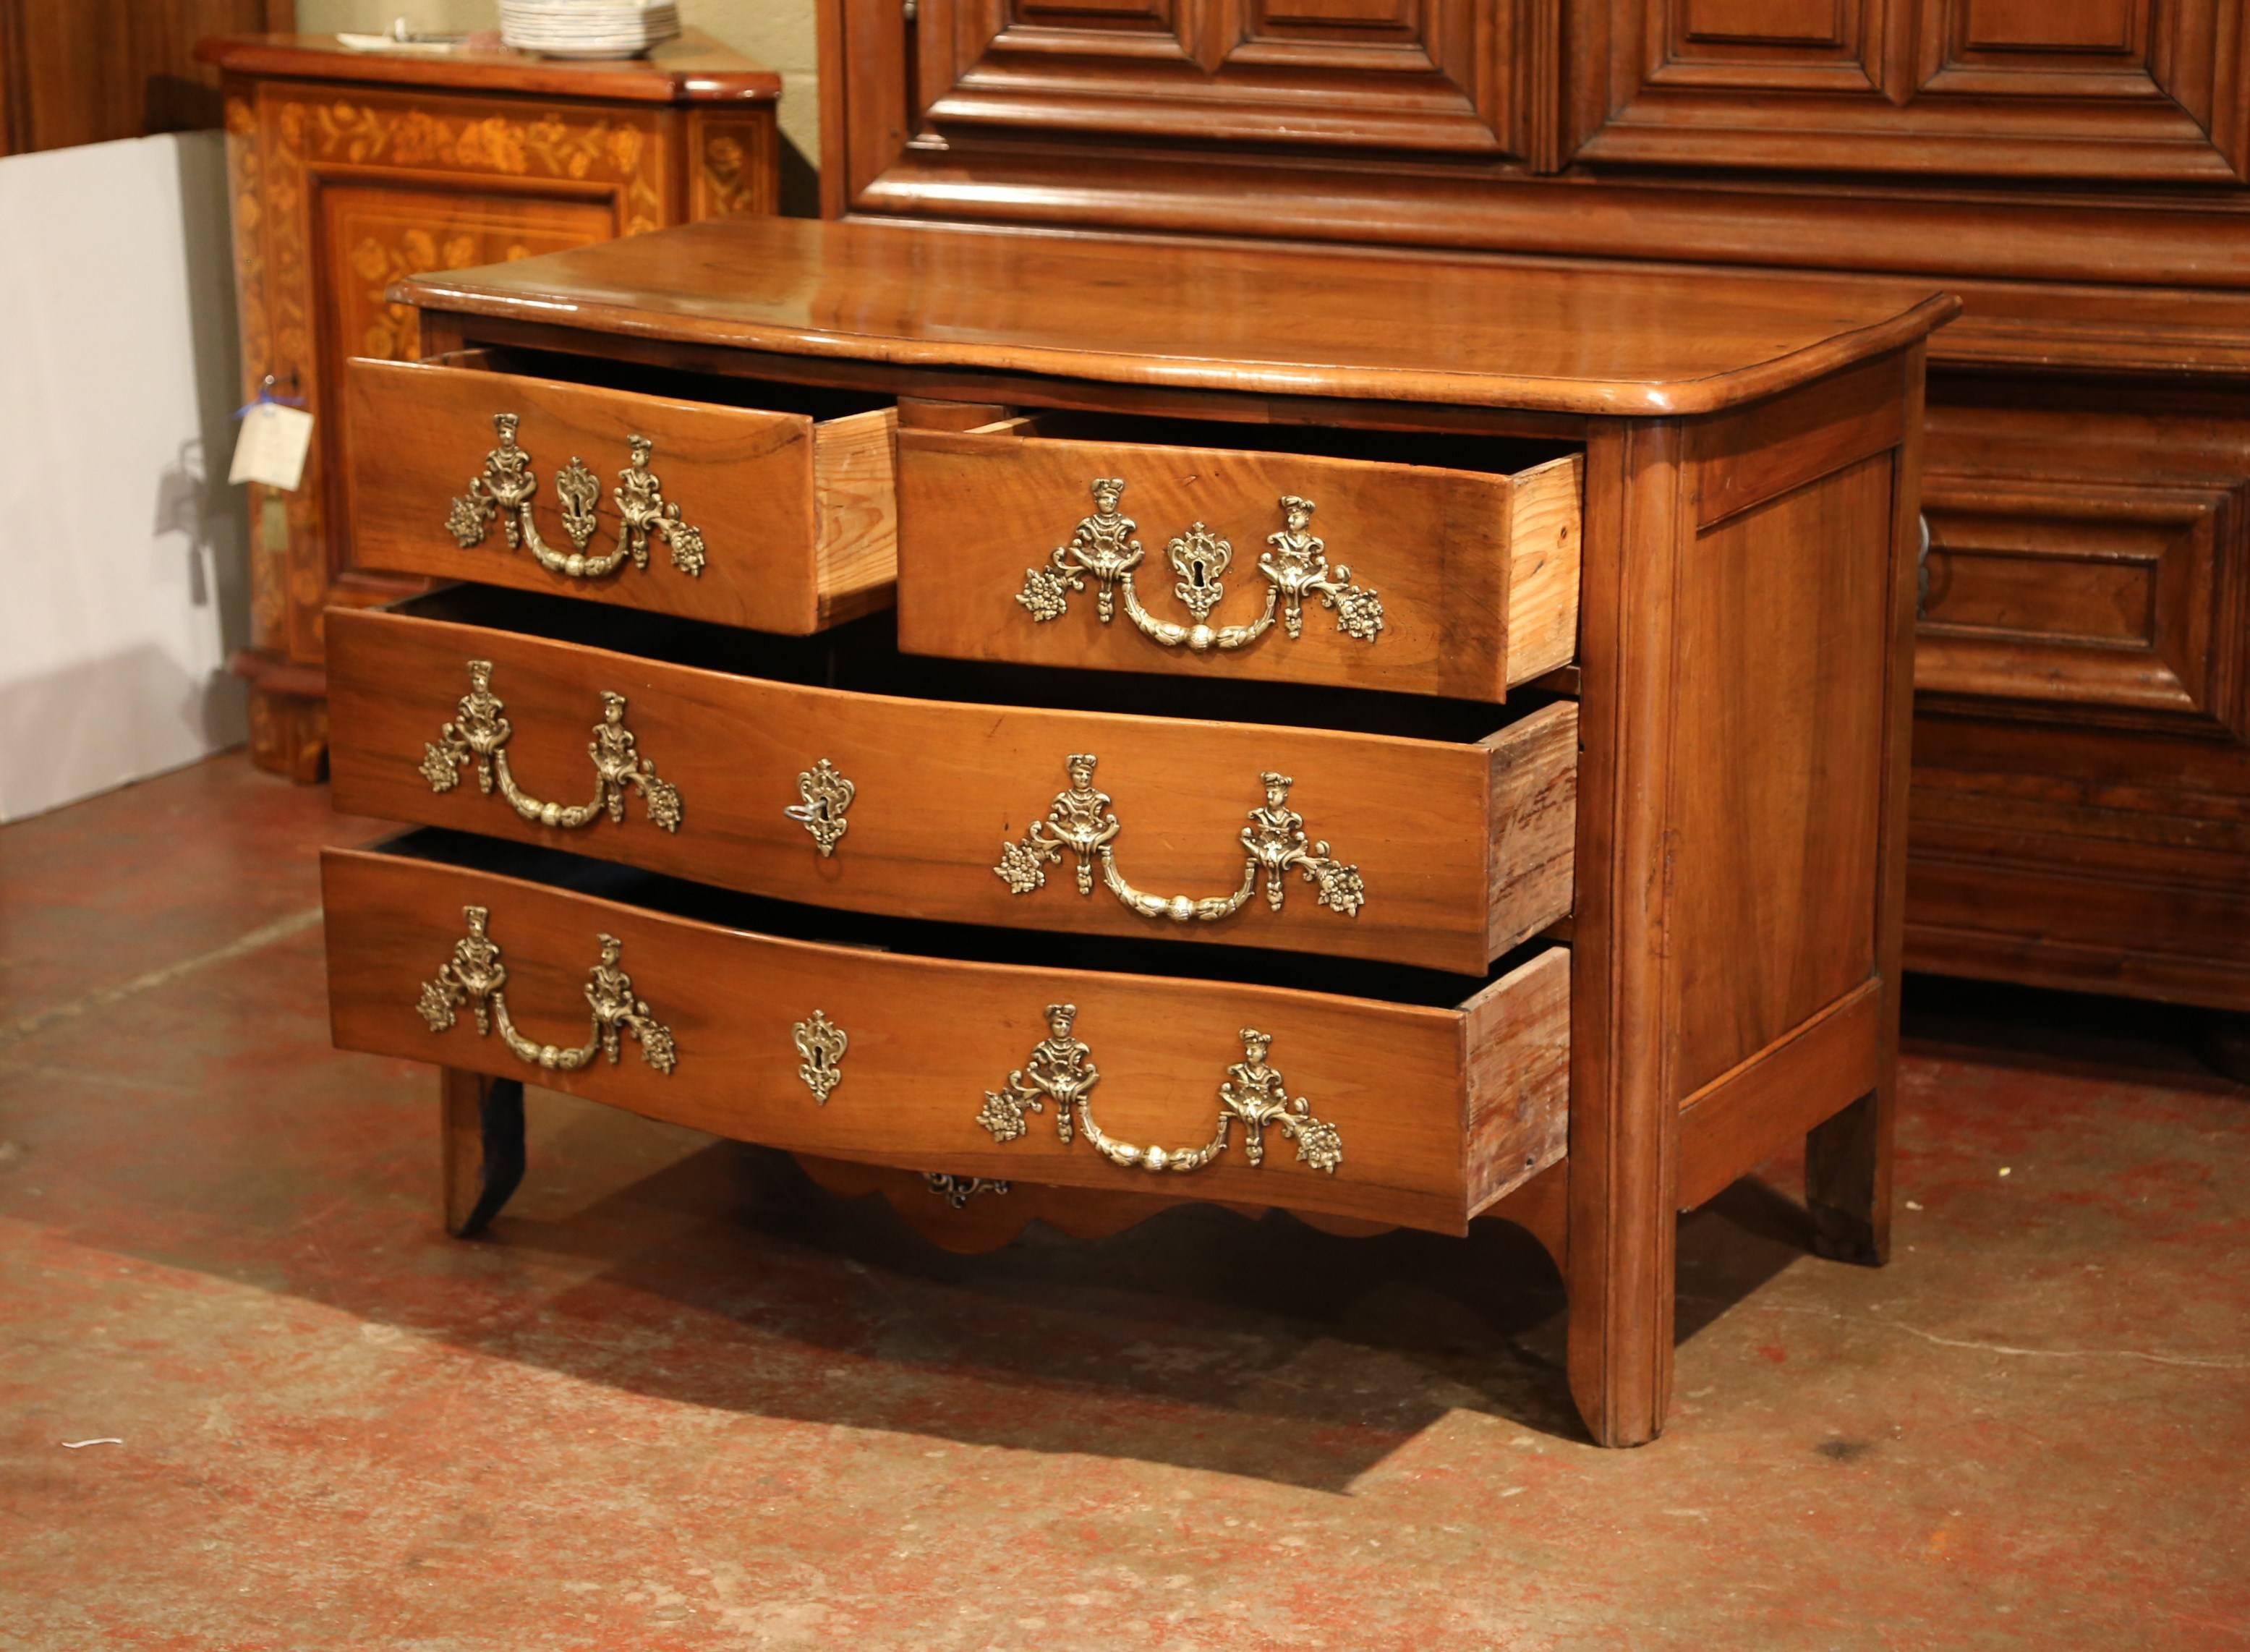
2145,89
1451,77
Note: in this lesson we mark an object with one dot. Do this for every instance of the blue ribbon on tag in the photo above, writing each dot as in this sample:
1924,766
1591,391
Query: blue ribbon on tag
266,394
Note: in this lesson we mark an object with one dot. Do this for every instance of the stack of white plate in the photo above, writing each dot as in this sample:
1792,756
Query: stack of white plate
587,28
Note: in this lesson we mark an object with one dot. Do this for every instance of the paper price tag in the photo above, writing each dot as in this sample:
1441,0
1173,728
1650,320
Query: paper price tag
273,445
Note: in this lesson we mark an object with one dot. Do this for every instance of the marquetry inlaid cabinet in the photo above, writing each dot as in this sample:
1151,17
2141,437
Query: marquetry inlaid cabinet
1047,727
2078,170
353,169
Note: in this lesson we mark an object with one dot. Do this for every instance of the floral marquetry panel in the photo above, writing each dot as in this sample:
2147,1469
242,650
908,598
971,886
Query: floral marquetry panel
339,224
375,234
342,187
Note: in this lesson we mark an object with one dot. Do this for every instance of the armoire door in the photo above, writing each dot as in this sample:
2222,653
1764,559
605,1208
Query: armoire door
2096,89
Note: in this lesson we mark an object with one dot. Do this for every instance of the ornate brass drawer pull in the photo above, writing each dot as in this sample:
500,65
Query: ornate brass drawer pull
1061,1069
478,734
1295,566
474,978
504,491
1079,820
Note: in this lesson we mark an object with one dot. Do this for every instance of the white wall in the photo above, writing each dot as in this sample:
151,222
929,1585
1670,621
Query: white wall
123,583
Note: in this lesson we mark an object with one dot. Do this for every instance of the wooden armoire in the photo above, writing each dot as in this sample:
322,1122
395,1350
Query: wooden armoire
2079,170
95,71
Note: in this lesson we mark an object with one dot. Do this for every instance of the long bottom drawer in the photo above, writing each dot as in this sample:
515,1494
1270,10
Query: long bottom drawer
711,1010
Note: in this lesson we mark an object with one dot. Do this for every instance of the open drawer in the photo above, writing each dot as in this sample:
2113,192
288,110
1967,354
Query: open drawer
1247,551
779,518
784,1026
921,792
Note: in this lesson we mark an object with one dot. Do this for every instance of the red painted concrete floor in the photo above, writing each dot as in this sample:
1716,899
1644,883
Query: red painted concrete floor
667,1408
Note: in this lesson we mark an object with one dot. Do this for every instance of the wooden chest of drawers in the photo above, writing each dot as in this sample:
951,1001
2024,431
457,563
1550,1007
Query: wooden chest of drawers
1401,743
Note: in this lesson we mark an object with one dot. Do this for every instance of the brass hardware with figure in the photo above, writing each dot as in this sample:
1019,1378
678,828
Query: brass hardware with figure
474,978
1080,821
478,734
1061,1069
1295,565
504,490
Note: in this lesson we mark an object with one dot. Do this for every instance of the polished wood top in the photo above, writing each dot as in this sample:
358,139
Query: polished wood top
693,68
1587,337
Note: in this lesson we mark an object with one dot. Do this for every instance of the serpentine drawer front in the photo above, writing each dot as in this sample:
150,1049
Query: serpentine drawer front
773,520
1434,852
1393,1112
1127,556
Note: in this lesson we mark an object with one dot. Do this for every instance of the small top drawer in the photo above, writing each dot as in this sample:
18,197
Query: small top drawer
1029,541
779,520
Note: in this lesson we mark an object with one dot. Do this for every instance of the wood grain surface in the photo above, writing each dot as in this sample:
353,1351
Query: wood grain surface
1780,921
749,479
928,1036
1481,332
692,68
1464,847
976,510
1534,823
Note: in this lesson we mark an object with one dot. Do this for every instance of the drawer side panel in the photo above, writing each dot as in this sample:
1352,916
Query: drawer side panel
1518,1033
1544,558
1535,825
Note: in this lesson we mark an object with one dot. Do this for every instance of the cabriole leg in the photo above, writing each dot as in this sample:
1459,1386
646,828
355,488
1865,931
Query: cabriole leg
481,1140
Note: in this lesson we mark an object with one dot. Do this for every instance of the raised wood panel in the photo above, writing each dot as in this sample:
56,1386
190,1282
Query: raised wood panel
1776,921
1816,22
2089,544
2060,907
1081,13
1443,76
2112,89
1272,18
2087,859
2100,597
2118,28
2081,785
1773,44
